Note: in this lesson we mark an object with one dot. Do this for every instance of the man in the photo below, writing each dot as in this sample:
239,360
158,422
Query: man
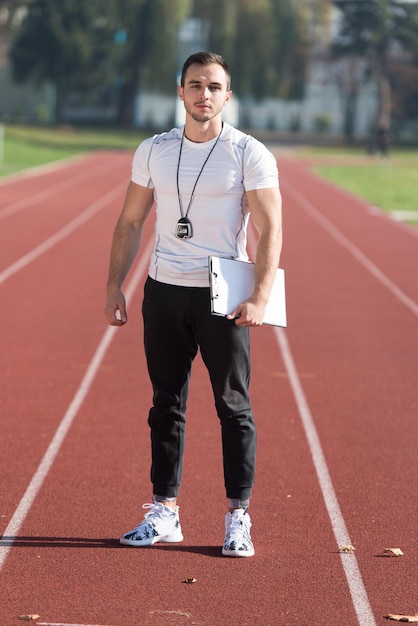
205,179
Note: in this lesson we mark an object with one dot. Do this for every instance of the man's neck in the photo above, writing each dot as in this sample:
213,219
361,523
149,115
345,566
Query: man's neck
200,132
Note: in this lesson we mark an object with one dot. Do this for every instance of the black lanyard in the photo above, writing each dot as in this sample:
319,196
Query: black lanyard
184,215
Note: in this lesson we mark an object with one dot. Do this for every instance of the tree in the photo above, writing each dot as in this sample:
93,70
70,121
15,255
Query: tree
78,46
11,14
66,43
349,75
264,41
378,30
150,50
404,79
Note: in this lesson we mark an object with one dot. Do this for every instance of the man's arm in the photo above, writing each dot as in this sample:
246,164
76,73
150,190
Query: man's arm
125,244
266,212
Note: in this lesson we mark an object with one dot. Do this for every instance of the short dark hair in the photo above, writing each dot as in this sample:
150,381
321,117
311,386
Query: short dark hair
205,58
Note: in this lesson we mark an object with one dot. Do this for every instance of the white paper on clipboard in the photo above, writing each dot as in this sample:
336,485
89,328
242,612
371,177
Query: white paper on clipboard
231,282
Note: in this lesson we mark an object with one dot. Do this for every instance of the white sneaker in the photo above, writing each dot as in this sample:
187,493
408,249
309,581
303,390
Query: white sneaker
237,534
160,524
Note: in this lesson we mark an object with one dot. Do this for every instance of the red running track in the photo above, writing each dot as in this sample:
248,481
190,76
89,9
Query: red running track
335,397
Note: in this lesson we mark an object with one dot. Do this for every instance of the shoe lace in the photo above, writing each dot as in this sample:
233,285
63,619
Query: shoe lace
239,526
156,510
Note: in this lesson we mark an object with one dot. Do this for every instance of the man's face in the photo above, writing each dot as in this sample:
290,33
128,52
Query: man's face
205,91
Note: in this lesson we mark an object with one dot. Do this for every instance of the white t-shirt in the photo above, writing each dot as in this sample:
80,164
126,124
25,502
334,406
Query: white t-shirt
219,211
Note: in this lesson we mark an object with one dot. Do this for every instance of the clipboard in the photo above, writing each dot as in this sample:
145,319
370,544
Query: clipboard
231,282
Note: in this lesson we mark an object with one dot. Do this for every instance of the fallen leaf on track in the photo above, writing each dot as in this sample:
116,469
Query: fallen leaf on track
30,617
393,551
190,581
403,618
347,549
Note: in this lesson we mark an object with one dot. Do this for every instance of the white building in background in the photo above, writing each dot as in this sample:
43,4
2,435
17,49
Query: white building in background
320,111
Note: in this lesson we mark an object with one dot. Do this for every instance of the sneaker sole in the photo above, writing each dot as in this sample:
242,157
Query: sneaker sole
144,544
238,553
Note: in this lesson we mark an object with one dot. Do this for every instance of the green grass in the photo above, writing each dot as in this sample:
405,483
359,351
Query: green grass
30,146
390,187
390,184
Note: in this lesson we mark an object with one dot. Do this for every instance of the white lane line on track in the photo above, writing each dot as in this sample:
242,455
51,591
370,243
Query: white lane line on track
24,203
349,562
352,572
336,234
41,473
61,234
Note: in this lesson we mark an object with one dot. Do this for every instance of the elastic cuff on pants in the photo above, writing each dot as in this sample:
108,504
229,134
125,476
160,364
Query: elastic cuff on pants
163,498
236,503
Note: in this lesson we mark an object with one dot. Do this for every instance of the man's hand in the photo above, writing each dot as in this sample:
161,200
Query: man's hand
248,313
115,308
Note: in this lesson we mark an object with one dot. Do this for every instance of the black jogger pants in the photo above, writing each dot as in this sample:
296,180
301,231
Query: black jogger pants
177,322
